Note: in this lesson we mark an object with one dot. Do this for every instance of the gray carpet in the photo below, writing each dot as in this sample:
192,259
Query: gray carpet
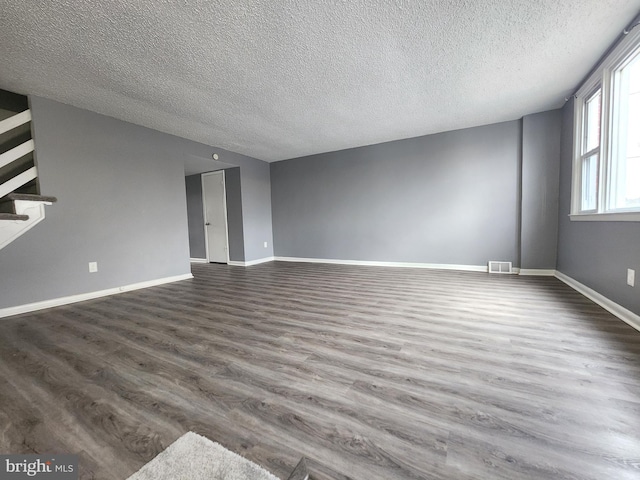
193,457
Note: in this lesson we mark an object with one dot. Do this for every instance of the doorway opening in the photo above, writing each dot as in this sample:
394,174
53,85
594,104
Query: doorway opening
214,207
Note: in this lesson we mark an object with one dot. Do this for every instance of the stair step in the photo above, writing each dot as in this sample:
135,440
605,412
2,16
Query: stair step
31,197
13,216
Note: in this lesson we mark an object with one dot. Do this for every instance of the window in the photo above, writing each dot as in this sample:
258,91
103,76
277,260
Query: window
606,169
625,165
590,158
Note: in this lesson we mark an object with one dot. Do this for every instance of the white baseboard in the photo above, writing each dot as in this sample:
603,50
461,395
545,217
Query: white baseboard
250,262
56,302
537,272
198,260
619,311
438,266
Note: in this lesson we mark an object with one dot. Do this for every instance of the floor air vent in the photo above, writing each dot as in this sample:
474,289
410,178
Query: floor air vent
500,267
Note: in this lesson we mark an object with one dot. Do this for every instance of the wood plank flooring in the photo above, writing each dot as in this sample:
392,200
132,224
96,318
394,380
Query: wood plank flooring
370,373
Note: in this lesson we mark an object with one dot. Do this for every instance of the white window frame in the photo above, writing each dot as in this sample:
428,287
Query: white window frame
602,78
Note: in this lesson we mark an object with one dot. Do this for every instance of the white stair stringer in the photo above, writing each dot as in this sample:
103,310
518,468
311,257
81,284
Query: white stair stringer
12,229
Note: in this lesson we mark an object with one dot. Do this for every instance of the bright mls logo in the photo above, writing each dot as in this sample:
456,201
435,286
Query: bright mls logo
49,467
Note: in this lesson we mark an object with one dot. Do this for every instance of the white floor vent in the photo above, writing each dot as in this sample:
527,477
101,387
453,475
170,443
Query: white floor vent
500,267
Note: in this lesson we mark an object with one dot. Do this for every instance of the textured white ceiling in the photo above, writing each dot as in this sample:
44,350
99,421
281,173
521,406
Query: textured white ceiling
285,78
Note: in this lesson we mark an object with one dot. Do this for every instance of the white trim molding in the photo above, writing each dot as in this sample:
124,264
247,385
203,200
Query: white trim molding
15,121
12,229
606,217
539,272
619,311
56,302
17,152
16,182
258,261
435,266
198,260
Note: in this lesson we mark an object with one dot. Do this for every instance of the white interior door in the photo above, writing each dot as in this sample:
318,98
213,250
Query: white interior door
215,217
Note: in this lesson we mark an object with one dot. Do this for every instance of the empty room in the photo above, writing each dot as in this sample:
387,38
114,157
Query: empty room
385,239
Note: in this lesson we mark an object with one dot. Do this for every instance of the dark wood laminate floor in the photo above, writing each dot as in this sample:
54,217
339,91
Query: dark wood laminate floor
370,373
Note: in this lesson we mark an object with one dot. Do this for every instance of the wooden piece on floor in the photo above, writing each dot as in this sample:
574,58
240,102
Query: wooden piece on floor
301,472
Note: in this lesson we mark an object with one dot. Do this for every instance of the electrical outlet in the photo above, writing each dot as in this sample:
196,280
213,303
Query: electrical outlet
93,267
265,244
631,277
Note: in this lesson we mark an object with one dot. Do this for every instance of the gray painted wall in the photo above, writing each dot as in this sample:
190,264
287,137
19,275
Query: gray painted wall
256,211
232,179
540,184
255,194
195,216
121,202
596,254
447,198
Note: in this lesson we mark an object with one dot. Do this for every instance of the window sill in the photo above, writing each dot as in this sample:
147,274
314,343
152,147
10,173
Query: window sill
606,217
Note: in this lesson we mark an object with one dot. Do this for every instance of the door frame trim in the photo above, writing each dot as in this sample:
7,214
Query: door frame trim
204,212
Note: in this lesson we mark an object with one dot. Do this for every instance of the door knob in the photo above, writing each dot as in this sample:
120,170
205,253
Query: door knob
207,223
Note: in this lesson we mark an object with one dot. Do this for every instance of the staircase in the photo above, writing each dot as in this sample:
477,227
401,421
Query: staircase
21,205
